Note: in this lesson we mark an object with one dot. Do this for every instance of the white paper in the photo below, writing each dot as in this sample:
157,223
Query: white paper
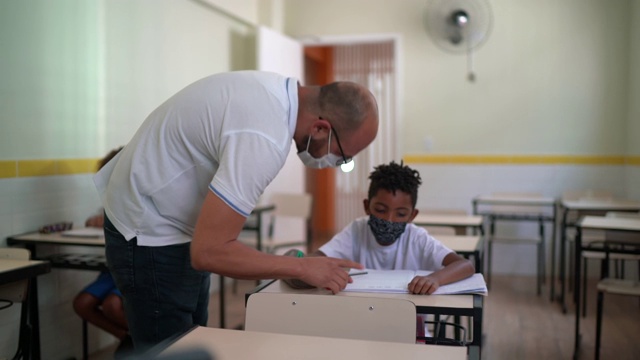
397,281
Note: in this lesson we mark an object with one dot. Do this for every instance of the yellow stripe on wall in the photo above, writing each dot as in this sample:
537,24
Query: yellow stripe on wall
633,160
521,159
50,167
8,169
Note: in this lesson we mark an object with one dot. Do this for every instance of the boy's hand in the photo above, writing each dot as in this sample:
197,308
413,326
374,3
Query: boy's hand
423,285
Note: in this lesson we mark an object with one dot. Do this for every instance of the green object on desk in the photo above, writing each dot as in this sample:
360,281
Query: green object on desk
295,253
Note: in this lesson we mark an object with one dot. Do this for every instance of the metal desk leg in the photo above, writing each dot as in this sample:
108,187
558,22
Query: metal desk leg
222,304
561,271
576,294
554,228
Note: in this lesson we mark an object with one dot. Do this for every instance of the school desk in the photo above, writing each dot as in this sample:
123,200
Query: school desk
539,209
459,222
224,344
66,260
625,225
464,245
438,305
17,270
583,207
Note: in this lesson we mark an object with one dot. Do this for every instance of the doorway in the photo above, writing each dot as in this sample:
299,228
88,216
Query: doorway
373,63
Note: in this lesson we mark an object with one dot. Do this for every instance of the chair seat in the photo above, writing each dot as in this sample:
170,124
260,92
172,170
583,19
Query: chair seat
514,240
619,286
612,255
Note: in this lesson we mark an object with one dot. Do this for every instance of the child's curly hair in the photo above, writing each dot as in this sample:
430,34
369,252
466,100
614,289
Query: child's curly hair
394,177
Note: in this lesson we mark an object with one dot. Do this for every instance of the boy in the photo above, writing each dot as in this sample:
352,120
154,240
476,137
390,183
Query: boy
386,239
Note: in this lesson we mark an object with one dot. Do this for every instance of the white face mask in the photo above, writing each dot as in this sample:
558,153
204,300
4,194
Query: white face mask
327,161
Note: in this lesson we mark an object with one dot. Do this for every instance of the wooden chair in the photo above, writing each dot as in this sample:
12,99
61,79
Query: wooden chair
351,317
292,214
572,217
614,287
619,258
444,230
16,292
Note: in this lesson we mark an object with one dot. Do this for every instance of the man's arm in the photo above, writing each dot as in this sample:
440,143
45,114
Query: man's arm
455,268
215,248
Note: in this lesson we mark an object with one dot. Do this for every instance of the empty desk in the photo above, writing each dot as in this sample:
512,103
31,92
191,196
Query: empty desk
222,344
596,223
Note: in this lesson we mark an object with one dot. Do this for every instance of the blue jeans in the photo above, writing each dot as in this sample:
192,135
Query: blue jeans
163,295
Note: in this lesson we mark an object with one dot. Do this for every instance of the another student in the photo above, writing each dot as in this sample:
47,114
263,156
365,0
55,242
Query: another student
100,303
387,240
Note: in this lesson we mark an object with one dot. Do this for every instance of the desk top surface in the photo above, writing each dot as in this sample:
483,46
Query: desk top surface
444,301
459,243
237,344
14,270
601,204
447,220
56,238
514,200
609,223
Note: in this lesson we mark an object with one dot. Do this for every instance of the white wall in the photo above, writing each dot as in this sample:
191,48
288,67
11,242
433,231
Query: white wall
552,79
78,78
633,124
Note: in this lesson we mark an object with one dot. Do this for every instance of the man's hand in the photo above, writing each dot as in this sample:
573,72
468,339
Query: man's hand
326,272
423,285
95,221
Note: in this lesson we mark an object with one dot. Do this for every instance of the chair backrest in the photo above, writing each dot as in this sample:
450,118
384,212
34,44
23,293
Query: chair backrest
516,208
291,219
15,291
622,236
587,194
351,317
292,204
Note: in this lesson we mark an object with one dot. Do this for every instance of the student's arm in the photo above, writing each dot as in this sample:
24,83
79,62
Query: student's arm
214,248
455,268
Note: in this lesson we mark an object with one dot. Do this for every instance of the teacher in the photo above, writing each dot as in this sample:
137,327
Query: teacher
177,196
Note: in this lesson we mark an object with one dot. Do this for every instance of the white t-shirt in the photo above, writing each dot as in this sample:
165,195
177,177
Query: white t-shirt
228,133
415,249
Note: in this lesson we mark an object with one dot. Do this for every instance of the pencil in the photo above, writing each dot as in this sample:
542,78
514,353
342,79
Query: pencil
358,273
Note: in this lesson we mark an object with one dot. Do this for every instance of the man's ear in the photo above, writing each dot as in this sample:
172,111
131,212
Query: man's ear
414,213
320,129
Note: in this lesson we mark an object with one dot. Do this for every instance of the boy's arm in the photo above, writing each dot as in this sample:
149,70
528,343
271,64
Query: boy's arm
455,268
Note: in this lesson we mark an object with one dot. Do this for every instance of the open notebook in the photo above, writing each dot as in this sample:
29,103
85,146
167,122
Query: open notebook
397,281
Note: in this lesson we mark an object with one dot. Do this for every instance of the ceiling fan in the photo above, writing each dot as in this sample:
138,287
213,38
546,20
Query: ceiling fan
459,26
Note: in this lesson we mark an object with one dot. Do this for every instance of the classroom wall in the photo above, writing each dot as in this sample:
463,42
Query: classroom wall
549,111
78,78
633,124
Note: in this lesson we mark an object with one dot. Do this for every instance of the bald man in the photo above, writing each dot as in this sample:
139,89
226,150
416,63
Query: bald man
177,196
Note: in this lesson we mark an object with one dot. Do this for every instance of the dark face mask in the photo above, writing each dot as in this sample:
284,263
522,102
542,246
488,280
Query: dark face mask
386,232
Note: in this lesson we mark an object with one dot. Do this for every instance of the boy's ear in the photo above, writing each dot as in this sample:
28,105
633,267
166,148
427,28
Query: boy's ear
414,213
365,202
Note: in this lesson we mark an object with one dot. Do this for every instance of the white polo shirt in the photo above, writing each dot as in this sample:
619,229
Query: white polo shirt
414,250
228,133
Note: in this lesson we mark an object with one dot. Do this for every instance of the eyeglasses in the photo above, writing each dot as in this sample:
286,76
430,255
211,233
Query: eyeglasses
344,160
